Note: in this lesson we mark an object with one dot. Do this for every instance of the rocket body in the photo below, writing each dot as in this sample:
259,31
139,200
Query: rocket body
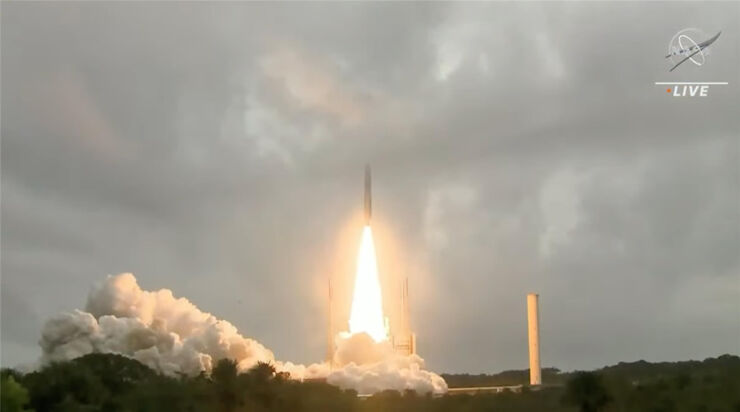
368,196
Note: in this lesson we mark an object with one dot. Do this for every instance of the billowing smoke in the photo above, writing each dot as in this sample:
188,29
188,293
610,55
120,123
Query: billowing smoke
368,366
166,333
173,336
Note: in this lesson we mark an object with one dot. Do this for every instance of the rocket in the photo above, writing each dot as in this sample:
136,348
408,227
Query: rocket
368,196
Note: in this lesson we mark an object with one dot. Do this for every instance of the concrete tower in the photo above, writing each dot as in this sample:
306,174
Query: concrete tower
533,322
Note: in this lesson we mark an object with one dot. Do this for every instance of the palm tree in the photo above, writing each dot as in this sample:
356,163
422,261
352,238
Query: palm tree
262,372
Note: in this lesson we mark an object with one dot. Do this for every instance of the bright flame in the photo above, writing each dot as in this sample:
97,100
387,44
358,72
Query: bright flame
367,302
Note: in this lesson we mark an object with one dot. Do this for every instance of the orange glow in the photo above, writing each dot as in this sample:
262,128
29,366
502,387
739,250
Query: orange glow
367,301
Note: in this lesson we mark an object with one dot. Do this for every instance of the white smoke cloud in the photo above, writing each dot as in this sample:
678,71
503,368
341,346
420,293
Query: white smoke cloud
166,333
368,367
173,336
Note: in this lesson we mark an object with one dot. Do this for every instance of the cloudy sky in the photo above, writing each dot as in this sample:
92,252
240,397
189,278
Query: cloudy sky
218,150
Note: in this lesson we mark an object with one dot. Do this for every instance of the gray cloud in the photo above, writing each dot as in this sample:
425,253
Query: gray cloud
217,150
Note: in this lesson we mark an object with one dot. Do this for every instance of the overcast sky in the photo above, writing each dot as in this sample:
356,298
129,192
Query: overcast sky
218,150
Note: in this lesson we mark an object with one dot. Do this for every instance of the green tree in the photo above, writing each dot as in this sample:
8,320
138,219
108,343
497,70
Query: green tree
262,372
586,391
224,378
13,396
263,387
97,381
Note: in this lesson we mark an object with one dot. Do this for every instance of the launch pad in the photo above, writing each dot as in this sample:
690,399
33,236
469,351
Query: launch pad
367,311
403,342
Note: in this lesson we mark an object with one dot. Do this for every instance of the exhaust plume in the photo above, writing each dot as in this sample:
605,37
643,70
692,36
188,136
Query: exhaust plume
173,336
367,301
168,334
368,367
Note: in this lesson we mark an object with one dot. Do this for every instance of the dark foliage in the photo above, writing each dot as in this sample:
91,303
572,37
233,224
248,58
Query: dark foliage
505,378
113,383
586,390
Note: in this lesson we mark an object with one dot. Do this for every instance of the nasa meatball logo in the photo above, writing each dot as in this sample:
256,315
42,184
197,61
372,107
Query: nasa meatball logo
689,47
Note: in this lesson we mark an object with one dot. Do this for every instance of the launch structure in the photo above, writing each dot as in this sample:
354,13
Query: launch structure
330,326
404,340
533,323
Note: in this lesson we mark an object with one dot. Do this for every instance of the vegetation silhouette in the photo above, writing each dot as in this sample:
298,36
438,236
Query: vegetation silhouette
586,391
109,382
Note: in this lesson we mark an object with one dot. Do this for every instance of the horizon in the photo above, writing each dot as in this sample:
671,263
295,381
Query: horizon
217,150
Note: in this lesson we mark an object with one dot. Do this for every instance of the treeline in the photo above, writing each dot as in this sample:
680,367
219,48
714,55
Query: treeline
635,372
505,378
110,383
107,382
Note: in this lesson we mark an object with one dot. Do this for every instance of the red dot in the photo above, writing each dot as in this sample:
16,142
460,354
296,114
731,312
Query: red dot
668,90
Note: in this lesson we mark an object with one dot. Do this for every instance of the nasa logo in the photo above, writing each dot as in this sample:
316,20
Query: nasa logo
684,48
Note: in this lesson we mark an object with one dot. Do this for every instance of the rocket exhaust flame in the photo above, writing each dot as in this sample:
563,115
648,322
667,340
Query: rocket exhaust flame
367,301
